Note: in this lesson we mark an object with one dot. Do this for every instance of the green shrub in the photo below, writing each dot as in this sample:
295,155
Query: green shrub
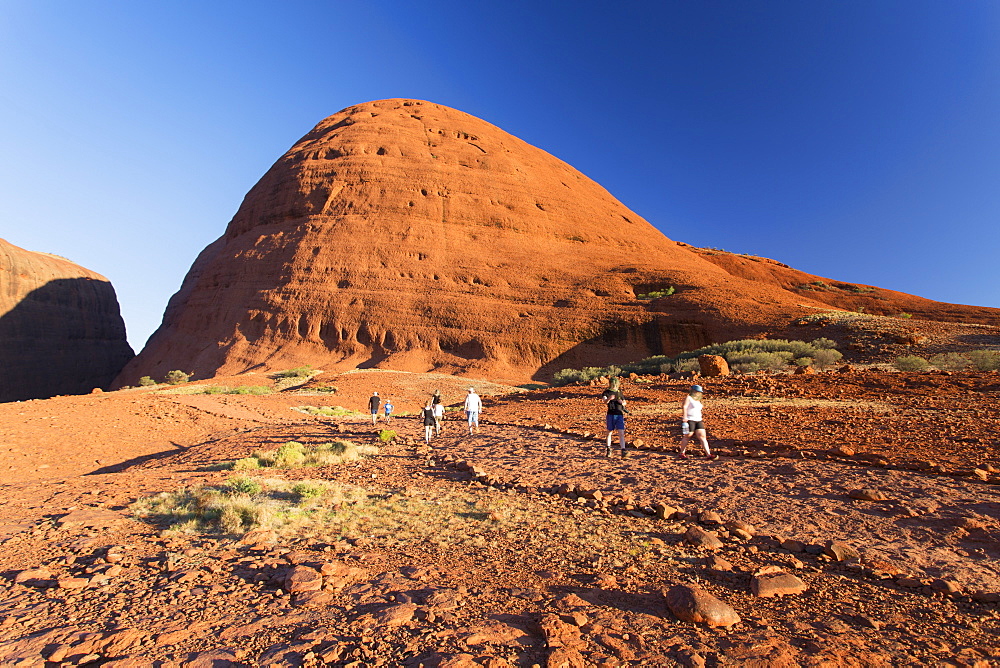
289,455
803,361
905,315
327,411
298,372
250,389
326,388
305,490
950,361
215,389
656,294
985,360
246,464
911,363
823,343
386,435
824,357
176,377
146,381
244,486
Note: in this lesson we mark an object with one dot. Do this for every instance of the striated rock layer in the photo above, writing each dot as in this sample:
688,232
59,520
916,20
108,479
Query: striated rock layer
61,331
403,234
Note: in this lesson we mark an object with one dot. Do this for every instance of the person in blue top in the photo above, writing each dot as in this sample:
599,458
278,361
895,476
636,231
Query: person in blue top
387,407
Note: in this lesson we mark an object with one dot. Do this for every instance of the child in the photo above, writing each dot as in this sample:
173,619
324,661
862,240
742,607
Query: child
388,411
438,414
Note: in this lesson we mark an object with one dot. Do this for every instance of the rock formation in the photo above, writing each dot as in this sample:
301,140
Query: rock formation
60,328
403,234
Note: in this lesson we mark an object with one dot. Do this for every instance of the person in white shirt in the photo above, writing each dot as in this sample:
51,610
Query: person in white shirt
438,408
692,423
473,406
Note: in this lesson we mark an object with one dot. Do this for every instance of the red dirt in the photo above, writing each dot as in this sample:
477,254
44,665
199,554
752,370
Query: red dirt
406,235
555,577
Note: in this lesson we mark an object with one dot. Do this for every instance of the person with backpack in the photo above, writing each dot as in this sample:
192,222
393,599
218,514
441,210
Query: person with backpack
692,423
615,418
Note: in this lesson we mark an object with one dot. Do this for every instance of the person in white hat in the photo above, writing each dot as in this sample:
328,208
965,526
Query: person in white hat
692,423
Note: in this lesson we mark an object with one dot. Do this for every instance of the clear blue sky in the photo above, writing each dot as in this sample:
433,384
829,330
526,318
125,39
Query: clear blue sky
858,140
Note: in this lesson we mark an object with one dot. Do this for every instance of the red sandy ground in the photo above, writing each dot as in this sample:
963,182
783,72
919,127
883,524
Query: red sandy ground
924,591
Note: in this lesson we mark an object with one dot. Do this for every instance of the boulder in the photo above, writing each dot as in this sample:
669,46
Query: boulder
713,365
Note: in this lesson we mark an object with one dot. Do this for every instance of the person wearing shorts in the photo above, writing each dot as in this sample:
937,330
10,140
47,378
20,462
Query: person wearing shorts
615,419
387,407
692,423
427,417
438,408
373,404
473,406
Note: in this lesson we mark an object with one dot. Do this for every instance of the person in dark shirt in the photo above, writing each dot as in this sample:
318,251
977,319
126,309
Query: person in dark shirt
427,417
615,418
373,404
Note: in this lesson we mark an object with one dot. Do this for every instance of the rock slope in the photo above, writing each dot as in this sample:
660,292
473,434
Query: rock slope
60,328
407,235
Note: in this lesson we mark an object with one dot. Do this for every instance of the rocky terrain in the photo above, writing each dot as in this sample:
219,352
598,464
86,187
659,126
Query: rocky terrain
403,234
60,328
852,519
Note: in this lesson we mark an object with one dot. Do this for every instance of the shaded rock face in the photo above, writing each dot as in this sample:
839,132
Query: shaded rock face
403,234
61,331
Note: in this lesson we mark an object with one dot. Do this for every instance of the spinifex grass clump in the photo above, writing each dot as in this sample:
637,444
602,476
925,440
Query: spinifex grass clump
338,510
296,455
245,389
237,506
327,411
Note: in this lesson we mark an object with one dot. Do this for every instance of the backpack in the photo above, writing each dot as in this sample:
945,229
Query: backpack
615,405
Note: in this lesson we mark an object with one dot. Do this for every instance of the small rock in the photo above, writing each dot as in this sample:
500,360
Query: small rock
691,604
34,577
312,599
840,551
709,517
698,537
945,586
718,564
843,451
867,495
909,583
557,632
793,545
73,583
987,596
664,511
779,584
395,615
303,578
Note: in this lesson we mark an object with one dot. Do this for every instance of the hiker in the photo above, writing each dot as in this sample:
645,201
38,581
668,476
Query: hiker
473,406
615,418
387,407
438,407
373,404
693,424
427,417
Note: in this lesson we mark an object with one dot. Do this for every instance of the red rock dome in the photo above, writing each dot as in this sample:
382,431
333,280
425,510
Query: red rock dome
60,328
404,234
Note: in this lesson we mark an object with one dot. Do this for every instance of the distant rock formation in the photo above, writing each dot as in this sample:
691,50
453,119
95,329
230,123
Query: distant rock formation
403,234
61,331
